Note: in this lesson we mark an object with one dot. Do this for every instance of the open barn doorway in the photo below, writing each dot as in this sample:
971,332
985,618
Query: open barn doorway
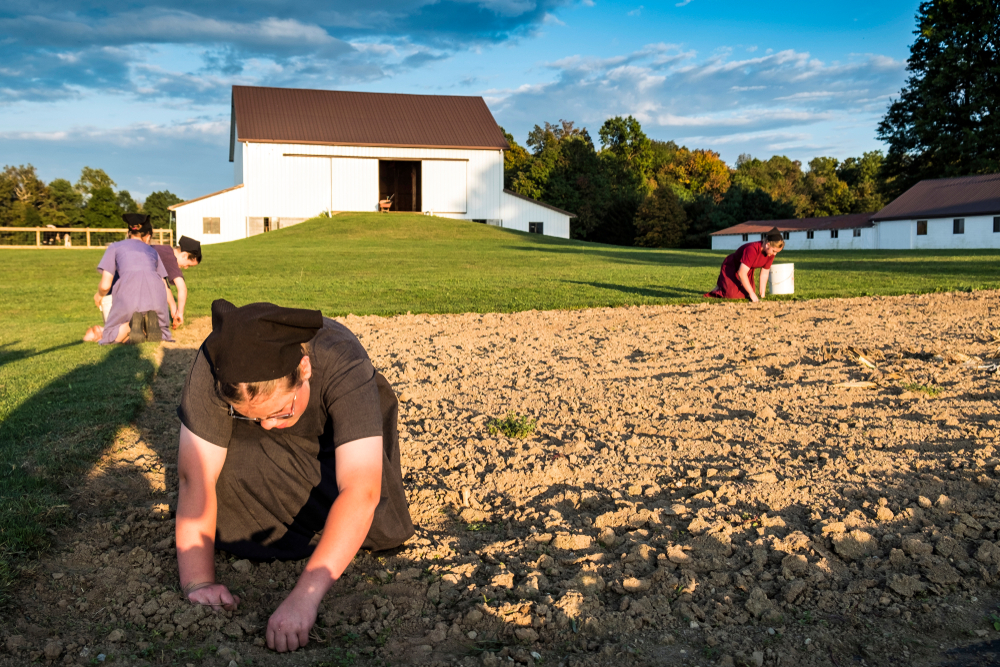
401,180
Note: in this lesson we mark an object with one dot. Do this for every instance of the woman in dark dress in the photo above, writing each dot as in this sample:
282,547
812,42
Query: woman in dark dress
736,274
289,451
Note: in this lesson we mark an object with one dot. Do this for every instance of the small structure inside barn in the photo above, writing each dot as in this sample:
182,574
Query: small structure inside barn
299,153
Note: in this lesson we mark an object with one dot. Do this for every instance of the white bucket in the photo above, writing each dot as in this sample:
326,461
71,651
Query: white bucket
782,279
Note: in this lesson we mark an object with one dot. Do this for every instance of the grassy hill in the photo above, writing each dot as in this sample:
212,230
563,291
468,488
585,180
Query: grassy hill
61,401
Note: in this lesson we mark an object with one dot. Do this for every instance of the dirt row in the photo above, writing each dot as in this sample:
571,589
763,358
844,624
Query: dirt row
794,483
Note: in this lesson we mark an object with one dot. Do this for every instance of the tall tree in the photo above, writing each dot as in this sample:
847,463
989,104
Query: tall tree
125,202
102,209
660,221
700,172
863,177
516,160
91,179
626,156
67,200
946,121
778,176
828,194
156,207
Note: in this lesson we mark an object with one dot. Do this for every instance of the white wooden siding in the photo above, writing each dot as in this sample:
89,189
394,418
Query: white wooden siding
940,234
846,240
271,192
445,187
228,206
517,213
355,183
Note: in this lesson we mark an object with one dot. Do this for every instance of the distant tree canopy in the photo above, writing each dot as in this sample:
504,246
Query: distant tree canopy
26,201
638,191
946,121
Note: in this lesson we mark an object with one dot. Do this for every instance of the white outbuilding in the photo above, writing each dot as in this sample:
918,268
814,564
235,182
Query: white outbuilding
299,153
836,232
943,213
937,214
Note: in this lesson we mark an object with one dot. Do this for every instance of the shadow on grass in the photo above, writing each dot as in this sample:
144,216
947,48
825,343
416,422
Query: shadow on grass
666,293
57,435
9,356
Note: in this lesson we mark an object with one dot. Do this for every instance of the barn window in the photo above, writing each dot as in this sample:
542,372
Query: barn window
958,226
784,235
810,234
746,237
481,221
996,225
211,226
921,228
857,233
834,233
535,228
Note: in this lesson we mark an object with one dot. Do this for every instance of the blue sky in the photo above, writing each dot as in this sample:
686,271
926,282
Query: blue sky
141,89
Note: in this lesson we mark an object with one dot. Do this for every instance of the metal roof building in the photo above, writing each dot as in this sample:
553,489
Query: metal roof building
960,213
298,153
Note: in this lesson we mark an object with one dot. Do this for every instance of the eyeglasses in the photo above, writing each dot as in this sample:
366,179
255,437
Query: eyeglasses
236,415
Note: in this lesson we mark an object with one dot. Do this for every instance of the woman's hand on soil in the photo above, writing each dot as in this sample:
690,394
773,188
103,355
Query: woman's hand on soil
289,625
216,596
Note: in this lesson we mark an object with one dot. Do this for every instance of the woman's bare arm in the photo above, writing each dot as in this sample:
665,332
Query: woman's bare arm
359,479
199,464
743,273
764,273
103,287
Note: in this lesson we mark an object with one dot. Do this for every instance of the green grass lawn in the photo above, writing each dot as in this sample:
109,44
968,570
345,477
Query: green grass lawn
62,401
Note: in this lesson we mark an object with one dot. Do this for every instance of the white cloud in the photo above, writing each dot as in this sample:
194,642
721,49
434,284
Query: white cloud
683,3
637,11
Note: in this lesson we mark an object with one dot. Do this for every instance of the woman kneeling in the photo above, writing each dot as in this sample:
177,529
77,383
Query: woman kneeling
288,450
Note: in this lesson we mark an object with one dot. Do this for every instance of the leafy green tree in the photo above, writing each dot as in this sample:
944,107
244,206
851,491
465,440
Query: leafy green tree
156,207
863,177
946,121
626,157
102,209
92,179
67,200
516,160
125,202
828,195
700,172
660,221
26,199
778,176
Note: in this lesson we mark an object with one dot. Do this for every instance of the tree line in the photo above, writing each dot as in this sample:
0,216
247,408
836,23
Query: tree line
27,201
633,190
637,191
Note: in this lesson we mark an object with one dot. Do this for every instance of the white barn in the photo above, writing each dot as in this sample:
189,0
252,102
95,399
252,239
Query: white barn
960,213
836,232
943,213
298,153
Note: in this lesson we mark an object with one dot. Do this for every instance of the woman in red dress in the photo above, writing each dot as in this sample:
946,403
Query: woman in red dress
736,275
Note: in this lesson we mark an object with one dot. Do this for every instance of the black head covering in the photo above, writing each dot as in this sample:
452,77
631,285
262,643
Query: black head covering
138,223
190,246
259,341
773,235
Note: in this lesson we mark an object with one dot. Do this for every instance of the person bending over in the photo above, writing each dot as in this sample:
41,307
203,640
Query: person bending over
185,255
131,294
289,451
736,274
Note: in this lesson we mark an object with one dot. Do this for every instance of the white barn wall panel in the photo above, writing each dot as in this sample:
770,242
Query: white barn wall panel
238,164
896,234
354,183
799,240
229,206
445,186
517,213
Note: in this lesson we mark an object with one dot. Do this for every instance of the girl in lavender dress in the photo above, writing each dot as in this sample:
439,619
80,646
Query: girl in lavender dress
133,273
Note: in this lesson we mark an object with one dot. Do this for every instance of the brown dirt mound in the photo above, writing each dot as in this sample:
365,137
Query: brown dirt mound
717,484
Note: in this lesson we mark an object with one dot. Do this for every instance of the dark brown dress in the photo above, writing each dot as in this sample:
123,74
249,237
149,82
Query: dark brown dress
276,487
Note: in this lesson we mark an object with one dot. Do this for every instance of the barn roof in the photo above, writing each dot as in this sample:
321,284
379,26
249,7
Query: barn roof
335,117
851,221
946,198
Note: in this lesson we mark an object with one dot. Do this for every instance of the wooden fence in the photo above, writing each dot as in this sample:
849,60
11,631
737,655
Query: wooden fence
64,237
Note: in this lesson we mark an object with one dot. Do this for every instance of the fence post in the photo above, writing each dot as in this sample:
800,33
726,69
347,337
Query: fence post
88,238
38,238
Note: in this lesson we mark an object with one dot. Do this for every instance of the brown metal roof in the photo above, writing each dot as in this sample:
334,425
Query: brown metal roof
852,221
334,117
946,198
